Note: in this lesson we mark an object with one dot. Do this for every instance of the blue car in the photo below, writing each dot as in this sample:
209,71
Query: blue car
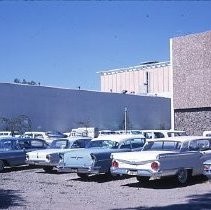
207,168
95,159
13,150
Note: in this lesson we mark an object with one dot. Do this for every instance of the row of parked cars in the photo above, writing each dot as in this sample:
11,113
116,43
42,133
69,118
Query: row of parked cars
124,154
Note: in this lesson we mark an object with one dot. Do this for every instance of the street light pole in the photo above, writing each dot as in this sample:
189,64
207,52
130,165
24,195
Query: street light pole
125,120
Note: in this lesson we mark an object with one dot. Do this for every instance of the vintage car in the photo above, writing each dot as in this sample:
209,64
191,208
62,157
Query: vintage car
49,158
181,156
95,158
13,150
154,134
47,136
9,134
207,168
207,133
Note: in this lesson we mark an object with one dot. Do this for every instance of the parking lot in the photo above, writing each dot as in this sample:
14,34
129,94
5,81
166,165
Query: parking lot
31,188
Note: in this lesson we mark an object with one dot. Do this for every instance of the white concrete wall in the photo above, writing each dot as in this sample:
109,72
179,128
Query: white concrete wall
62,109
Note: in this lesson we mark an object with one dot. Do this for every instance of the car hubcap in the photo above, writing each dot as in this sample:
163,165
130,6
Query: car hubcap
182,176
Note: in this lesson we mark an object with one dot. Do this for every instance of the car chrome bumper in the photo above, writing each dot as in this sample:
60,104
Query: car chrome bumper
207,173
40,163
85,170
143,172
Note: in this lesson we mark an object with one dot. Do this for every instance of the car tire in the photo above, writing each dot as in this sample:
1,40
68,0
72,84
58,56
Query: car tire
1,165
182,176
48,169
83,176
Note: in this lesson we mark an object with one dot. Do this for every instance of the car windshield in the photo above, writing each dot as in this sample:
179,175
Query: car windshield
6,145
103,144
136,132
162,145
59,144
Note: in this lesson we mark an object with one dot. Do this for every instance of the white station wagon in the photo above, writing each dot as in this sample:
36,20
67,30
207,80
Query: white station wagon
174,156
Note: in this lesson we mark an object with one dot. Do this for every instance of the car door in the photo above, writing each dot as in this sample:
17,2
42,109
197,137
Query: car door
13,154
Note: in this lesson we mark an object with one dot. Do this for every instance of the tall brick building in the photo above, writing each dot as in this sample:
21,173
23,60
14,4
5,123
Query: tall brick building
191,64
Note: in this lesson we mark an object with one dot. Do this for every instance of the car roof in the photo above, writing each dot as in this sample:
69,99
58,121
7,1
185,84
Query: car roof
73,138
8,137
118,137
181,138
170,131
19,138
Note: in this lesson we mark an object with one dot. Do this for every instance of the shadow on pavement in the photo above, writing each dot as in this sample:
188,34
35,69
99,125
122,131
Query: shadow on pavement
10,198
101,178
167,183
195,202
18,168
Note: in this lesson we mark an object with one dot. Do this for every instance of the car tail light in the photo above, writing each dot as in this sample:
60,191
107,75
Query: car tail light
207,167
115,164
155,165
48,157
61,156
93,157
27,157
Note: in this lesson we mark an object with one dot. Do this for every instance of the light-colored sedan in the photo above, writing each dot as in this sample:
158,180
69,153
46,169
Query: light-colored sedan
95,159
49,158
181,156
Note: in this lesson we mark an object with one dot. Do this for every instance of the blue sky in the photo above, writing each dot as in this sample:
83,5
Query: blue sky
64,43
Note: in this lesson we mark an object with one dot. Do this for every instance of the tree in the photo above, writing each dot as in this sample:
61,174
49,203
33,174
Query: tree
32,83
21,123
16,80
24,81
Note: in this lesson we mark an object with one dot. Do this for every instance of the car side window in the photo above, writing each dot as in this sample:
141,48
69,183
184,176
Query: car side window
200,145
7,145
137,143
80,143
24,144
39,136
77,144
157,145
125,145
37,144
148,135
184,147
86,142
171,145
159,135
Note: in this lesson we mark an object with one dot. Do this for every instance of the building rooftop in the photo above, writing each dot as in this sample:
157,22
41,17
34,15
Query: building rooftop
145,65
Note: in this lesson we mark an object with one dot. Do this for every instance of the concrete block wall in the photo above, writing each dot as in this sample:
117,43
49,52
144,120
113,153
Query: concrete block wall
195,121
191,64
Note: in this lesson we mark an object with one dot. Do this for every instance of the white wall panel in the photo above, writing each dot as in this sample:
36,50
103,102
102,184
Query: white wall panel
61,109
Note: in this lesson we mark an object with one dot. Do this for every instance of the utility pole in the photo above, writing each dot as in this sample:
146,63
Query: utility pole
125,120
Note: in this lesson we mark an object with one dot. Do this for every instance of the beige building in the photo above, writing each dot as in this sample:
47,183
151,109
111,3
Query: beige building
153,78
186,79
